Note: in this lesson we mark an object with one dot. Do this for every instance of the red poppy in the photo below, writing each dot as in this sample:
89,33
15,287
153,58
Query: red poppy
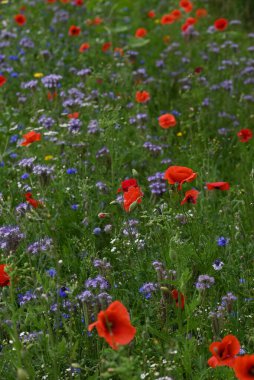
74,31
224,351
186,5
113,324
106,46
151,14
176,13
178,297
4,277
51,1
97,21
30,137
167,19
190,196
84,47
167,121
79,2
198,70
185,27
33,202
201,12
131,182
20,19
245,135
244,367
73,115
3,80
221,24
132,197
191,21
218,186
179,175
51,95
119,51
140,33
142,96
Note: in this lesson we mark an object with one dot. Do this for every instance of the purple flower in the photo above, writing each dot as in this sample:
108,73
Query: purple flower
51,272
222,241
204,282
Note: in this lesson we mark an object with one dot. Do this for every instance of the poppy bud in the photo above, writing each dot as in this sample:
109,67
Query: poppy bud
113,203
133,206
164,289
102,215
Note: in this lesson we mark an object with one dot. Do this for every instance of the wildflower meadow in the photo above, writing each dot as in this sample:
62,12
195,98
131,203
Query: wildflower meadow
126,190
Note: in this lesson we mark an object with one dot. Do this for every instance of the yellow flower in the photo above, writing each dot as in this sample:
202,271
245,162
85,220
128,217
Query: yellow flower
38,75
157,21
49,157
179,134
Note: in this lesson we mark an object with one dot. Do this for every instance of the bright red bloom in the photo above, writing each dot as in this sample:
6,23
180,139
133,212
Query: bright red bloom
218,186
245,135
33,202
51,1
178,296
97,21
179,175
73,115
79,2
4,277
176,13
114,325
224,351
20,19
30,137
191,21
84,47
151,14
3,80
51,95
74,31
191,196
201,12
167,19
244,367
142,96
185,27
140,33
131,182
132,197
106,46
221,24
186,5
167,121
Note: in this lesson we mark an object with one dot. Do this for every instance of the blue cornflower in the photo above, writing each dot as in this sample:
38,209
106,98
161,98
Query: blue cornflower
51,272
14,138
71,171
218,264
63,292
25,176
13,155
1,164
74,207
222,241
97,231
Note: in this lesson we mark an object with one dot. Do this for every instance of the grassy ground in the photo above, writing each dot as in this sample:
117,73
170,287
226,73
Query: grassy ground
205,79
